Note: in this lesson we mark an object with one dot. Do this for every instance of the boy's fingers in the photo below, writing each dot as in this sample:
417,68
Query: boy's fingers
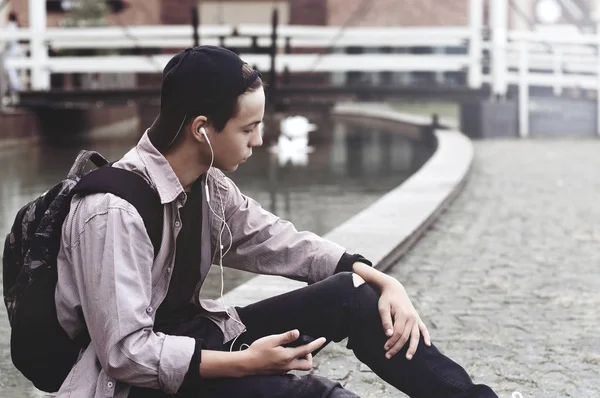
386,320
424,332
395,337
301,364
397,346
287,337
304,350
414,341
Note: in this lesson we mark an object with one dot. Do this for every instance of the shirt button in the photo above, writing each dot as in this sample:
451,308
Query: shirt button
177,224
149,310
110,384
168,270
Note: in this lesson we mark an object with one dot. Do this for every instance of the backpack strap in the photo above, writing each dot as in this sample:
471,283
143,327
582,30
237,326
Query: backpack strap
82,160
133,188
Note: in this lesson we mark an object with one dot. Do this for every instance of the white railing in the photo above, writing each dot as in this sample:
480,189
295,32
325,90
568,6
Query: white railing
318,38
554,60
164,36
574,54
291,62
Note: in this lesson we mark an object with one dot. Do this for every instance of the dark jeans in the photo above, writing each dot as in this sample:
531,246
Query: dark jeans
334,309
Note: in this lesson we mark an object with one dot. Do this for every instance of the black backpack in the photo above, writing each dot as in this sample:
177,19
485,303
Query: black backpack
40,348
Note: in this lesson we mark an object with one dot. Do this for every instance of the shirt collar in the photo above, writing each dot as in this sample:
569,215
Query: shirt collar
159,171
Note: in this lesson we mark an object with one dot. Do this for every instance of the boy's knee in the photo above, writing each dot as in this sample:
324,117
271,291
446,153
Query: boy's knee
357,280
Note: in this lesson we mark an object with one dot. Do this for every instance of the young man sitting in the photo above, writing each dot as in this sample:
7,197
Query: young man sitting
151,336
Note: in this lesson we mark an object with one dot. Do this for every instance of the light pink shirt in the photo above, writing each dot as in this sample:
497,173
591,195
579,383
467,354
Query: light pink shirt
109,280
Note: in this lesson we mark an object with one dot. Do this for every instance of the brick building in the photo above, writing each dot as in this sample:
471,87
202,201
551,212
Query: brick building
523,13
298,12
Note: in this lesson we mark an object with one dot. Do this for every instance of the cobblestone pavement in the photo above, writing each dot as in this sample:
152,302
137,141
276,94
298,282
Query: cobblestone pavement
508,279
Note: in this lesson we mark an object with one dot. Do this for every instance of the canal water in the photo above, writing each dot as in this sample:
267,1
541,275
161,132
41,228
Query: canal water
350,167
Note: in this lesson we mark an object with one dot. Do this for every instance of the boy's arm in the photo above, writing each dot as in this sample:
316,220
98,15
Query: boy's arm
263,243
111,259
266,355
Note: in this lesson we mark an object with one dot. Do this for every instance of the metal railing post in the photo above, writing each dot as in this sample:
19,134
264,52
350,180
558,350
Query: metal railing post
4,83
475,43
195,23
598,77
273,54
40,76
557,59
523,89
499,19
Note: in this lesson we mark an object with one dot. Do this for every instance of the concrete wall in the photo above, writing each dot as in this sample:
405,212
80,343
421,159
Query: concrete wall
176,12
20,127
238,12
299,12
309,12
400,12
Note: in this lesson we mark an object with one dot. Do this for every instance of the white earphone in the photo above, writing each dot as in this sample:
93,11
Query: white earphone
224,226
202,131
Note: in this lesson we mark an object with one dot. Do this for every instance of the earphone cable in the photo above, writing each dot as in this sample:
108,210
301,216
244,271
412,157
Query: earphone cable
222,228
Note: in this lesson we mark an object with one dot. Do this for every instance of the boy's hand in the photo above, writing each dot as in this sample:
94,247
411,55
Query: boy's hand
268,356
400,320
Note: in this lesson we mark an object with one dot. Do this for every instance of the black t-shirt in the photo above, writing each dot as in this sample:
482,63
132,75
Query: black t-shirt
186,271
173,313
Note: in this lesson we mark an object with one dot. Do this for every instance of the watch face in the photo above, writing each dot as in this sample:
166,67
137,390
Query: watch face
548,11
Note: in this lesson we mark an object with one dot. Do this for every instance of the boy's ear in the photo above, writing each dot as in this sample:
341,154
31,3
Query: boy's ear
200,122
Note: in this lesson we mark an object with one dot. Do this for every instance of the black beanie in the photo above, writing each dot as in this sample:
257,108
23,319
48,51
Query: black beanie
192,79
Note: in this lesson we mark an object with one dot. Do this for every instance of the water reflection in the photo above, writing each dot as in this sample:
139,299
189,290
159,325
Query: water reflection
347,171
351,166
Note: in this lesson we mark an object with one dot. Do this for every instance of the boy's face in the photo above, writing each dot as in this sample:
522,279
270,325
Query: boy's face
234,144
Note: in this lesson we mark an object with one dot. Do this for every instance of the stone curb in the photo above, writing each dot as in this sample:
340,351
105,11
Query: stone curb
388,228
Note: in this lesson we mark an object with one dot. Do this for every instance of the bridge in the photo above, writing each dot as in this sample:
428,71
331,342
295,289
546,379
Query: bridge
356,62
263,47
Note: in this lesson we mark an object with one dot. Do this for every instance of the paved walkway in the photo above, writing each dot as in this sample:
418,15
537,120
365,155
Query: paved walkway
508,280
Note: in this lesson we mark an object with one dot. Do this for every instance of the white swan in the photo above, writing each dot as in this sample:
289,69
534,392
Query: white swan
292,144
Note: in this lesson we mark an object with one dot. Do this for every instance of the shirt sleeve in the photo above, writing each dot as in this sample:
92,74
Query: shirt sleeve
263,243
112,262
192,378
347,261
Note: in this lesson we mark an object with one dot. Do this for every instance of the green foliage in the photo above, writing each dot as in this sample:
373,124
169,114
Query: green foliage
86,13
